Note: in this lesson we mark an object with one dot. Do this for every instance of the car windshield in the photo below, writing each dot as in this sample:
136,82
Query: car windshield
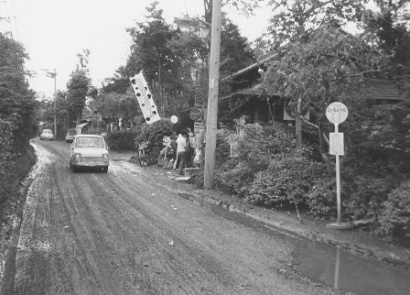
46,131
89,142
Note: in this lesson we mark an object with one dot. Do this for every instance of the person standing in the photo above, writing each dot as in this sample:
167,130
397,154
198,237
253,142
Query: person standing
174,148
181,151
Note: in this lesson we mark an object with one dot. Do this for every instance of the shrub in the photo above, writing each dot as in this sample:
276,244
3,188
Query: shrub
286,181
321,200
154,133
121,140
6,159
13,166
364,195
222,149
257,146
394,219
236,179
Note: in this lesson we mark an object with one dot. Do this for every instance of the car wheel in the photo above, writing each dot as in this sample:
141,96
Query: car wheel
105,169
74,168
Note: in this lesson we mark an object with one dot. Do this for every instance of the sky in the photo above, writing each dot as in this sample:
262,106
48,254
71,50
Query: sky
53,32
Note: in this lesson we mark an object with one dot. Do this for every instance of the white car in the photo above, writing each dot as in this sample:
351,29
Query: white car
70,135
47,134
89,150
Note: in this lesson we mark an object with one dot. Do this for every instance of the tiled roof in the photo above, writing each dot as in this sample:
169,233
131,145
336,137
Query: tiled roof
384,90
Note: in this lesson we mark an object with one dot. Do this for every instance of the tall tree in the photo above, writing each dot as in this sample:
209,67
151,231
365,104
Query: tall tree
325,66
17,101
388,28
293,19
150,53
78,86
116,107
17,113
170,57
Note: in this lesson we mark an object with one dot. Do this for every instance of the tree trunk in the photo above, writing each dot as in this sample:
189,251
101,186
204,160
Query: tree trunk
298,130
298,123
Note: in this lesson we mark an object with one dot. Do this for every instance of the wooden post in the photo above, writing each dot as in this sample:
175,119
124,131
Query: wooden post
211,122
55,104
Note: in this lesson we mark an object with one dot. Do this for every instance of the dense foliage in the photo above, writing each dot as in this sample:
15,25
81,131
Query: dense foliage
175,62
270,169
152,136
322,63
122,140
17,112
117,108
394,220
78,86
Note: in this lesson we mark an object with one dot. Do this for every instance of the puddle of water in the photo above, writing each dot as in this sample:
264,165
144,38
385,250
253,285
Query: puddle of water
330,265
350,273
333,266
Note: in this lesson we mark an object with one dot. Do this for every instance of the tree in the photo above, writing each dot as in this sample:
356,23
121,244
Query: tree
236,53
150,53
170,57
388,29
17,113
116,106
326,66
78,86
17,101
296,21
297,18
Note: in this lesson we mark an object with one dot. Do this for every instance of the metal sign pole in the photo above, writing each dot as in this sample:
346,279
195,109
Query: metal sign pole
339,200
337,113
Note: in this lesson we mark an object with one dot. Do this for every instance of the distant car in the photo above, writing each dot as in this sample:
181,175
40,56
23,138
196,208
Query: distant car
70,135
47,134
89,150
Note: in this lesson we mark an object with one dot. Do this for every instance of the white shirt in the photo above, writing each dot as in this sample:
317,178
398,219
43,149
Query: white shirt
181,143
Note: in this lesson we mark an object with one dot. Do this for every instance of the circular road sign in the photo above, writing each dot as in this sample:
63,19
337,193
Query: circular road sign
174,119
336,112
195,114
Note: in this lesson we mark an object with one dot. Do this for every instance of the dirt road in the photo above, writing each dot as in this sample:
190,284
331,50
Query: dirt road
125,232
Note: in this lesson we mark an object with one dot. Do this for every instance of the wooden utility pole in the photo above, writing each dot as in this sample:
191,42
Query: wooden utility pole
55,104
212,117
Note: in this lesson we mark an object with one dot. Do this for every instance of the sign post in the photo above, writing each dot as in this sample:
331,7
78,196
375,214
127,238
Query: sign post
337,113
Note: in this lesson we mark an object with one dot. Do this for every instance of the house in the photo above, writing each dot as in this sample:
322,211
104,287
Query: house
254,102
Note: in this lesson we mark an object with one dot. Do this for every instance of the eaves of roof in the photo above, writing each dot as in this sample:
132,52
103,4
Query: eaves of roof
256,90
380,89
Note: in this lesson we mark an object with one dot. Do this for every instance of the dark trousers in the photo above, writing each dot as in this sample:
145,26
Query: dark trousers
182,161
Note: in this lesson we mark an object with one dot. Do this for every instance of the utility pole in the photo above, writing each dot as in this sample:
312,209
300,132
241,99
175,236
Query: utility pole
211,122
55,104
54,76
